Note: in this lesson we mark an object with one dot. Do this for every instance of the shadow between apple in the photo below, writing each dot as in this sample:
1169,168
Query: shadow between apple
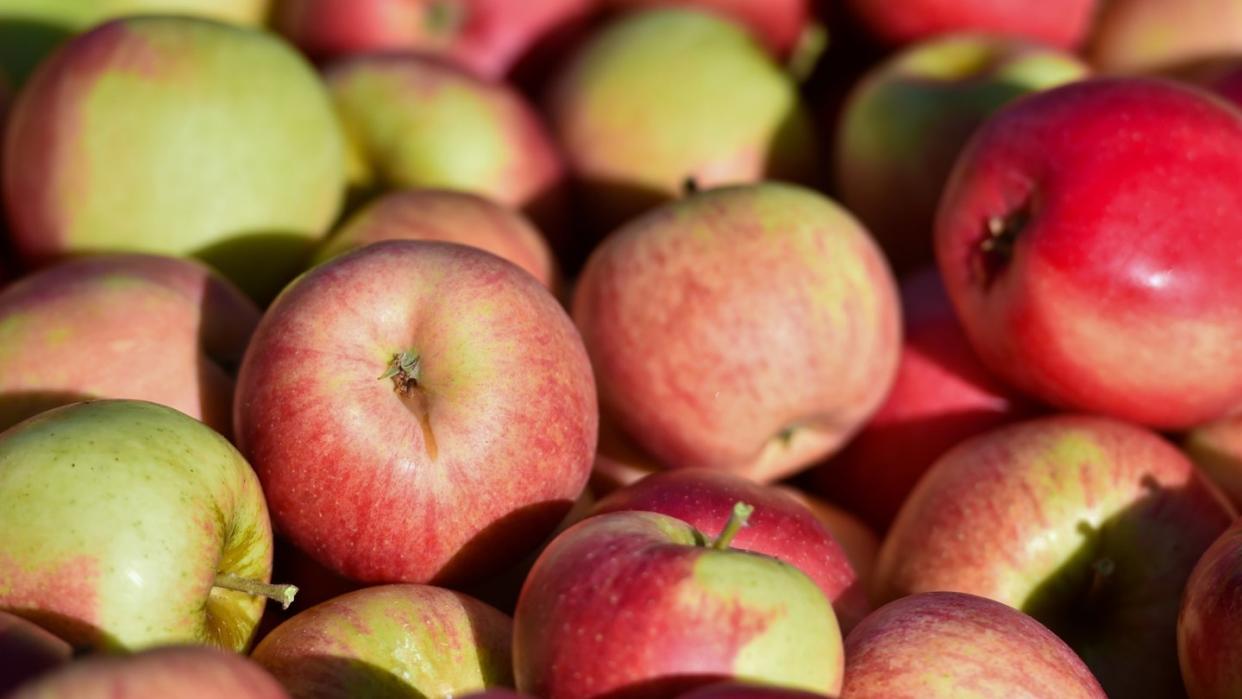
84,638
16,406
260,263
315,676
24,43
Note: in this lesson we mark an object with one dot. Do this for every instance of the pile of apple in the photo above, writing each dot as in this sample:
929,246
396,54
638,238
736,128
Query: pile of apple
620,349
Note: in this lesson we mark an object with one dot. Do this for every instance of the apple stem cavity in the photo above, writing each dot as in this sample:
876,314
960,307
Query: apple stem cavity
405,370
994,252
279,593
738,519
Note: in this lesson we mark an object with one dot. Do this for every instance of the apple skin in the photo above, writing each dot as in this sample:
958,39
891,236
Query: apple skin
27,651
942,395
739,690
749,329
637,604
907,120
778,24
1062,517
664,96
860,543
1141,36
391,640
1028,234
226,133
1059,23
1209,645
780,527
172,672
118,515
155,328
459,475
449,216
1216,448
949,645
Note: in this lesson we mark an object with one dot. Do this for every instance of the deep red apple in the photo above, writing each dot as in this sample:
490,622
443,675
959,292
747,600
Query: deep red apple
1087,242
1063,23
1209,628
27,651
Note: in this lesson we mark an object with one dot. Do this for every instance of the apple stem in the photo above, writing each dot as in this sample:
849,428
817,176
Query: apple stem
812,43
279,593
737,520
405,370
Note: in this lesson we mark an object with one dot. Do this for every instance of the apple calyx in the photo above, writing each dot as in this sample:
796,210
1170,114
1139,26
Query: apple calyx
405,369
739,518
994,251
278,593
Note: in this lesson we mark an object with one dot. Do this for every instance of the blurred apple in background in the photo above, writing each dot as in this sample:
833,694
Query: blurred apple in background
948,645
175,672
27,651
449,216
777,24
123,326
942,395
417,411
1145,35
1216,448
1209,632
129,525
177,136
1028,240
750,329
1061,23
391,641
1090,525
905,123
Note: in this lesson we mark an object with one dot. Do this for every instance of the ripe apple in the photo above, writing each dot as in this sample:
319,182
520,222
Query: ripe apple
1209,644
1135,36
1060,23
860,543
177,136
449,216
129,525
1216,448
417,411
941,396
172,672
1065,518
905,122
123,326
27,651
665,96
391,640
639,604
1028,237
746,690
780,527
948,645
749,329
778,24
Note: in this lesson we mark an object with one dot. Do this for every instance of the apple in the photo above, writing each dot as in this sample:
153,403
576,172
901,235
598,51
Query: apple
1209,645
905,122
947,645
860,543
172,672
129,525
1028,237
1135,36
27,651
941,396
417,412
745,690
450,216
1065,518
147,327
391,640
1216,448
661,97
1060,23
749,329
177,136
780,527
778,24
639,604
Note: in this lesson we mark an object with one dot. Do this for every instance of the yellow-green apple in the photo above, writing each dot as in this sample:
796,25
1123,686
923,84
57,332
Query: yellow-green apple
748,690
905,122
778,24
950,645
391,641
147,327
780,527
942,395
449,216
178,136
1061,23
1209,638
169,672
1136,36
1216,448
1089,524
1028,236
860,543
128,525
750,328
665,96
27,651
417,411
639,604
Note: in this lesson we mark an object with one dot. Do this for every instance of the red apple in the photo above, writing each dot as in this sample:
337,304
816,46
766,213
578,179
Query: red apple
860,543
750,329
780,527
1088,524
942,395
1209,632
1136,36
1062,23
417,411
1216,448
642,605
27,651
779,24
948,645
1087,243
